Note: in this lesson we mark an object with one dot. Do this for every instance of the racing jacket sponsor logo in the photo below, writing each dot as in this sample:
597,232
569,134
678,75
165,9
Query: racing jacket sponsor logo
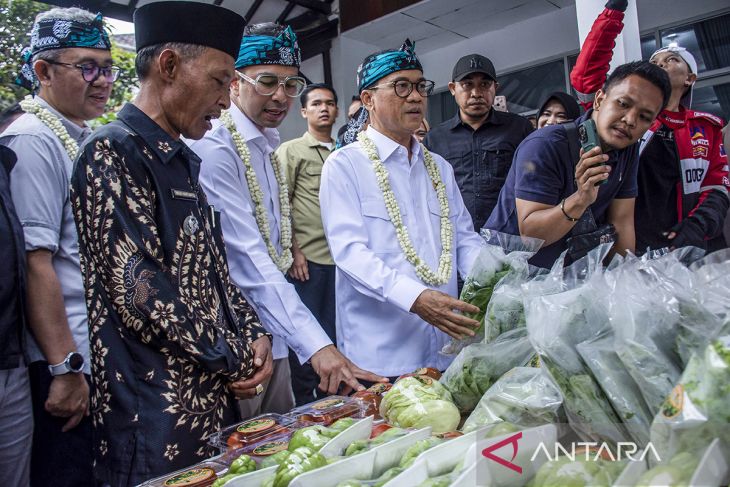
693,173
722,151
696,142
699,151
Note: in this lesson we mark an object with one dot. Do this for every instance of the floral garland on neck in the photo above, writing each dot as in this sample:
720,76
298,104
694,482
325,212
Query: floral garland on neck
428,276
284,261
29,105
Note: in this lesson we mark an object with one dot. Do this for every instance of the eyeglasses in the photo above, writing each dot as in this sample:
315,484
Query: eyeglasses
268,84
403,88
91,72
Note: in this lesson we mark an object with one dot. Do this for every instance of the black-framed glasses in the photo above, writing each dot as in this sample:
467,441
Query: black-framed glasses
90,71
403,88
267,84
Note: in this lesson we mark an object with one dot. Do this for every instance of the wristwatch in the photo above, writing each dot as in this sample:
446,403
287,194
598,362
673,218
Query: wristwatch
73,363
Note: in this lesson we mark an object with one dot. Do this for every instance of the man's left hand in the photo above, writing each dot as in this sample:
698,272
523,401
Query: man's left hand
688,232
299,269
264,363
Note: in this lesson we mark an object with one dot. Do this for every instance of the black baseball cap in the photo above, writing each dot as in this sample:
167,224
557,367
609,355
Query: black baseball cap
473,63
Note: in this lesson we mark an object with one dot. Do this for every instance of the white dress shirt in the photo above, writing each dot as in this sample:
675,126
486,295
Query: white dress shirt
222,176
376,285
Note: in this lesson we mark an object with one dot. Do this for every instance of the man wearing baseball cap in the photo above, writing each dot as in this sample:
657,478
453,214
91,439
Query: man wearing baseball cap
683,172
479,141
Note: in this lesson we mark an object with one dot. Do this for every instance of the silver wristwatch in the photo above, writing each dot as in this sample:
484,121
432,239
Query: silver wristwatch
74,363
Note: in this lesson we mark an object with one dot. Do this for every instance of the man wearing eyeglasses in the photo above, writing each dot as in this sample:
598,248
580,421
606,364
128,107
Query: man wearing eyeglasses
478,141
69,68
397,228
244,182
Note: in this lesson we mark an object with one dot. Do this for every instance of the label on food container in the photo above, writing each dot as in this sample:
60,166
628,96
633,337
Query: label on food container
190,477
270,448
256,426
327,403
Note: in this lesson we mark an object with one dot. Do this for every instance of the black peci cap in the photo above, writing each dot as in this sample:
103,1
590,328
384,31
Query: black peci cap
473,63
190,23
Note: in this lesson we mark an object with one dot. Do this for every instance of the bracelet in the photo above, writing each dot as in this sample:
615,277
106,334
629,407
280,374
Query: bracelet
562,208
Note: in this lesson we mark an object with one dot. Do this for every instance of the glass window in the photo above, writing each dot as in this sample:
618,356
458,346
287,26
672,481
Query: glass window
713,99
648,46
526,89
708,41
441,107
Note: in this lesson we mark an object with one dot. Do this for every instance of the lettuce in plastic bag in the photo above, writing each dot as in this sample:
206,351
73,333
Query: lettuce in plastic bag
419,401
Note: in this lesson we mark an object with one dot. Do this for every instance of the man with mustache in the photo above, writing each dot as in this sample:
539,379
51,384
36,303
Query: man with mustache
479,141
246,182
550,196
313,271
174,343
69,68
397,228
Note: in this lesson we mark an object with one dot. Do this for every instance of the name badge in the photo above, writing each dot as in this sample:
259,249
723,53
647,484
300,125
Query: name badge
179,194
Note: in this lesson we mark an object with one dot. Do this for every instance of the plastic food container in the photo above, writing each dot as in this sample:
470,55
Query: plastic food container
200,475
260,450
252,431
370,399
328,410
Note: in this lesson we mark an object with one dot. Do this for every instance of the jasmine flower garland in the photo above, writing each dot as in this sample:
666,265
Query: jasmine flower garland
428,276
29,105
284,261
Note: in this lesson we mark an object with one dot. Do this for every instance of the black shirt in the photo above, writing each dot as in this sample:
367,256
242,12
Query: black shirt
12,271
656,204
481,158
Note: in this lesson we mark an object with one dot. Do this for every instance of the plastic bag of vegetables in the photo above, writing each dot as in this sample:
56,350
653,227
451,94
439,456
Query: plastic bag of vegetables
420,401
677,471
697,409
524,396
711,278
618,385
504,254
556,324
478,365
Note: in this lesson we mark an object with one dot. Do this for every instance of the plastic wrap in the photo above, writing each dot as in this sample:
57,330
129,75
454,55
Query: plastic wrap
420,401
503,256
524,396
478,365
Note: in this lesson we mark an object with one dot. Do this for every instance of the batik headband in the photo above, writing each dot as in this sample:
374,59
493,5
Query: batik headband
354,127
379,65
50,34
282,49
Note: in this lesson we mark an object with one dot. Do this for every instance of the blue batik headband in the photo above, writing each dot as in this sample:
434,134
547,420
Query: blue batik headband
282,49
379,65
50,34
354,126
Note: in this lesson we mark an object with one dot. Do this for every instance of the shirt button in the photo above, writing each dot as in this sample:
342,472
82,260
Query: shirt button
477,194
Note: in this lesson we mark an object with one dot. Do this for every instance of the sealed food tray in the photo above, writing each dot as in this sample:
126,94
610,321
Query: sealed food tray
202,474
252,431
370,399
327,410
260,450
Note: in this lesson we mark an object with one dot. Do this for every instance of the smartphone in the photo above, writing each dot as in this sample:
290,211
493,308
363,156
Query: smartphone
500,103
589,139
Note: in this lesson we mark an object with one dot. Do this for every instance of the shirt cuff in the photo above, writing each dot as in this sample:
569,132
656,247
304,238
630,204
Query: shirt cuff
405,292
305,344
38,236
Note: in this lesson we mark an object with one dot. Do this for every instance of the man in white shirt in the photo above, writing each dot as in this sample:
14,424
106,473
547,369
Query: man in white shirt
247,185
382,201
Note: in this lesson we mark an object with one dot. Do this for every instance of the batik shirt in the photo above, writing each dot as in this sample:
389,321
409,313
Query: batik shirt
168,330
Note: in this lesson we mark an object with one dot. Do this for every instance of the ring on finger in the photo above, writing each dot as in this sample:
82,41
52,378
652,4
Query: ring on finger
259,389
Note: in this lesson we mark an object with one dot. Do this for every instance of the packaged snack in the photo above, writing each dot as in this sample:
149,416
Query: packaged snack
370,399
252,431
200,475
326,411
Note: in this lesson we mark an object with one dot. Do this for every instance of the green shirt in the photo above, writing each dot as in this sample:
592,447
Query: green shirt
303,159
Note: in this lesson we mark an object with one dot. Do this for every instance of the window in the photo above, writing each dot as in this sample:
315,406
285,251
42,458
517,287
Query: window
526,89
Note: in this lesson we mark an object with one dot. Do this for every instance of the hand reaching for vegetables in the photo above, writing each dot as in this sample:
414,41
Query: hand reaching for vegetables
438,309
333,368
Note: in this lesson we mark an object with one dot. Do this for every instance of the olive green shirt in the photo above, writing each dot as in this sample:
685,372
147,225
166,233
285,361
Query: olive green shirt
303,159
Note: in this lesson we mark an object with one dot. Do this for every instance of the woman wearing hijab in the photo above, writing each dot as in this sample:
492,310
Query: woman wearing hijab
559,107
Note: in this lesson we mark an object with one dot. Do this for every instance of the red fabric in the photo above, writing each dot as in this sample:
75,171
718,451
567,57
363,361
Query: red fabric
592,65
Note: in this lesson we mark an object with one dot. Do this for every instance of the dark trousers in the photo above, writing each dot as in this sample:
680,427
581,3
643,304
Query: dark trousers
317,294
57,459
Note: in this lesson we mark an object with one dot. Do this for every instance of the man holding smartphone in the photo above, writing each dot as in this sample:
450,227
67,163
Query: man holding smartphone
549,196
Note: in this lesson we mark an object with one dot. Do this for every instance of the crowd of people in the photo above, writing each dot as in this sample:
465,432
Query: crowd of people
181,268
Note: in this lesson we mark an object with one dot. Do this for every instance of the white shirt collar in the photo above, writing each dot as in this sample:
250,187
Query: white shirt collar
387,146
249,130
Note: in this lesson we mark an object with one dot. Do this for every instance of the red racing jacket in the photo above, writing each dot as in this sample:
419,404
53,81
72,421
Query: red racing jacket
703,190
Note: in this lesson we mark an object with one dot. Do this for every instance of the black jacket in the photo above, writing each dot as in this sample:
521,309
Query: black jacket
12,272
